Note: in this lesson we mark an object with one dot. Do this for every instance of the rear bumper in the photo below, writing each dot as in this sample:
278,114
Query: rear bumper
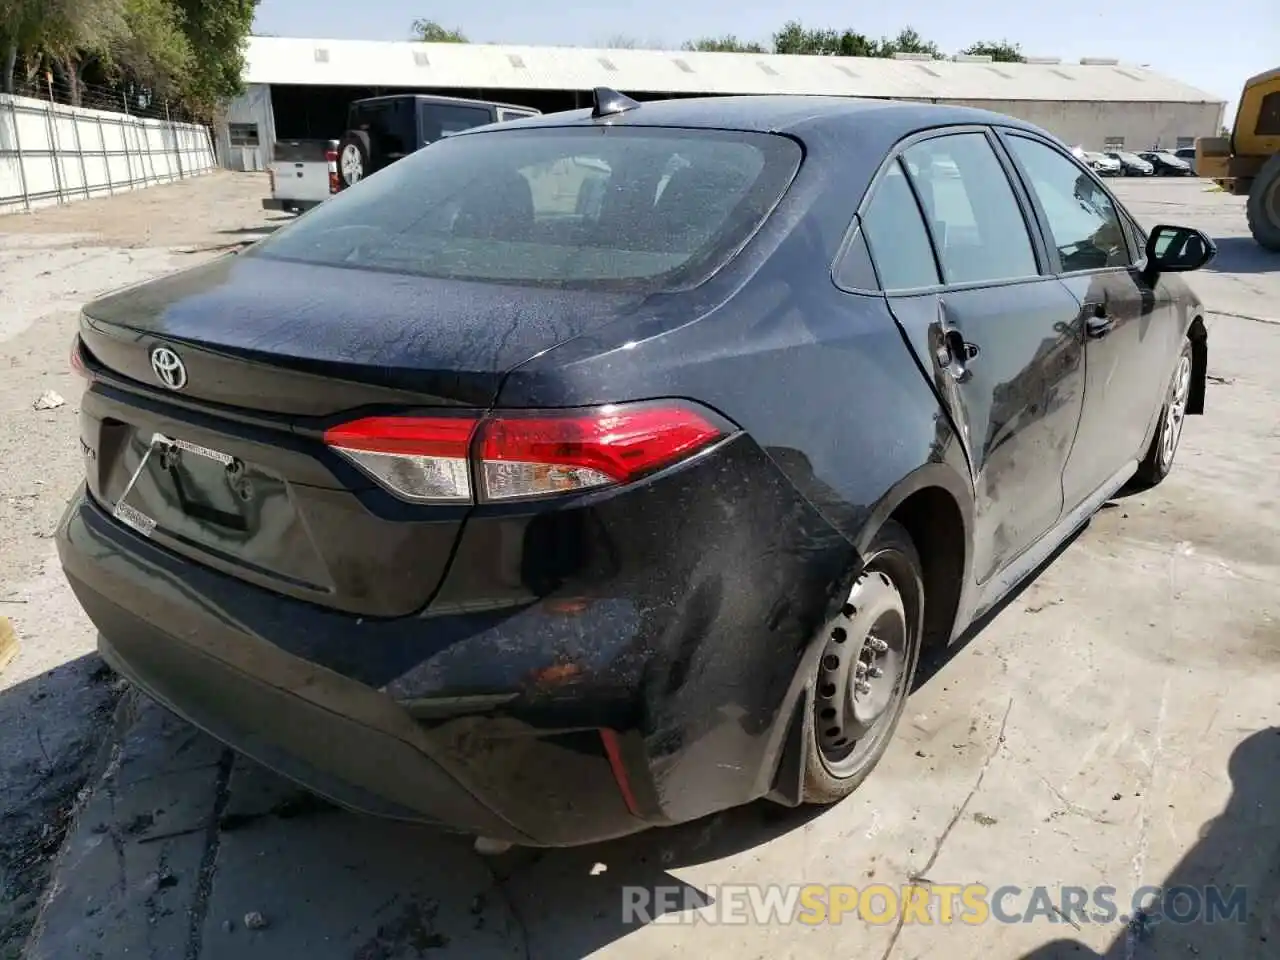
289,206
162,628
645,690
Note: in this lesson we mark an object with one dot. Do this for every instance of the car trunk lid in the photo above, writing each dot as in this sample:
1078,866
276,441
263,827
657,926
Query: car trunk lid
227,465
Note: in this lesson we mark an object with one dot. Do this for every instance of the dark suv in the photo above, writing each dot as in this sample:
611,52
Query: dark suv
381,130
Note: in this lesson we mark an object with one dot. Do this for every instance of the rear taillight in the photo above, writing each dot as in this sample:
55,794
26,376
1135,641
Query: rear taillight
77,359
521,454
331,158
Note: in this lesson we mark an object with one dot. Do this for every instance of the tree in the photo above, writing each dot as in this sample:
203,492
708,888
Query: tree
909,41
795,38
216,31
153,49
58,34
429,31
725,44
999,50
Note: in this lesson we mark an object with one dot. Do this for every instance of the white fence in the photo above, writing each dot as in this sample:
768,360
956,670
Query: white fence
51,153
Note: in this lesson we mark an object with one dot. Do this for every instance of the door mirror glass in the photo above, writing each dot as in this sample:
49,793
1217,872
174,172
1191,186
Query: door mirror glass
1177,249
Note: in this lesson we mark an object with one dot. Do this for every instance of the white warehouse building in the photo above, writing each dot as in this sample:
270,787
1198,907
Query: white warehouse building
299,88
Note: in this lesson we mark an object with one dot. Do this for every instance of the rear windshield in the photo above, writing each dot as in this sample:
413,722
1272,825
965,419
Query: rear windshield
569,207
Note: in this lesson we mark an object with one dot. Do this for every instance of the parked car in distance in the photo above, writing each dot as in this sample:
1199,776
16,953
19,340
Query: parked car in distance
1132,165
380,130
1188,156
1102,164
606,469
1166,164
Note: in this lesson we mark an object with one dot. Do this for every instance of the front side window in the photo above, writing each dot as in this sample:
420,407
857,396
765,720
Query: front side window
974,215
625,208
1082,218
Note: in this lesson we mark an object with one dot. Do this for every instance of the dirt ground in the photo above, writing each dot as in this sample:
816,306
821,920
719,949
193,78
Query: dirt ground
1117,724
58,699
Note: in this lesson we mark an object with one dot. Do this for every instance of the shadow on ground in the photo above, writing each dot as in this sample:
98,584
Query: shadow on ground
1243,255
51,727
258,231
1238,851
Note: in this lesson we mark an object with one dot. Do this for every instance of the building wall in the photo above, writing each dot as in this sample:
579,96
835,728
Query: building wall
1090,124
249,118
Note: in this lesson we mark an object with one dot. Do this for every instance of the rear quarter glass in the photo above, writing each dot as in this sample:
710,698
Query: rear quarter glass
615,208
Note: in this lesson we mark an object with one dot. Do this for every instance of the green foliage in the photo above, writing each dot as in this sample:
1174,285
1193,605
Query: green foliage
1000,50
188,51
725,44
428,31
796,38
217,31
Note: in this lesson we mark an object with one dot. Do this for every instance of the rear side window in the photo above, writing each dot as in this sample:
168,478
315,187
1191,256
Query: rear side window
441,120
389,124
973,213
896,235
624,208
1083,221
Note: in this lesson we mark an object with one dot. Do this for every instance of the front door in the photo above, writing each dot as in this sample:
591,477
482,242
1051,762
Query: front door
999,339
1131,339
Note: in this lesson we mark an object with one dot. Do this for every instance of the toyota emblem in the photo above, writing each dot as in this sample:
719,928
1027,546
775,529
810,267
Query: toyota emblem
169,368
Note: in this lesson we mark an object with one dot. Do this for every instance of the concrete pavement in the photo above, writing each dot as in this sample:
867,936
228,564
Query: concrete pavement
1113,725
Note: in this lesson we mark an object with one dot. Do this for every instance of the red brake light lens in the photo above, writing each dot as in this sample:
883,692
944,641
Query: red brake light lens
541,454
77,360
523,454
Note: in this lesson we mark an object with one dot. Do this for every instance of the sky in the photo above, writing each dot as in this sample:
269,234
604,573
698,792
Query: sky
1169,36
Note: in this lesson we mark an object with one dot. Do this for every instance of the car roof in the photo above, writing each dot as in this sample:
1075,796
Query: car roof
432,98
885,121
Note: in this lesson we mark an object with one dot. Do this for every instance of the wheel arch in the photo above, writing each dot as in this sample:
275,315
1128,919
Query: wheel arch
935,506
1198,334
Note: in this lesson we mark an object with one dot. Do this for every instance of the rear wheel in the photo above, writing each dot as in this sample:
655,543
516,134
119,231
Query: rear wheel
864,675
1164,445
1263,208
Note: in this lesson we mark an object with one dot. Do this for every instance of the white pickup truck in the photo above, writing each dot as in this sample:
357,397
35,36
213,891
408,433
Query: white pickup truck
380,130
303,174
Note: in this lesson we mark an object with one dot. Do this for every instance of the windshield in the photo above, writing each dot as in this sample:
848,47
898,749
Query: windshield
569,207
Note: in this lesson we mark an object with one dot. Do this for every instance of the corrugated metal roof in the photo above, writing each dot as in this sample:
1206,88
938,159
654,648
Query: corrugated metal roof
288,60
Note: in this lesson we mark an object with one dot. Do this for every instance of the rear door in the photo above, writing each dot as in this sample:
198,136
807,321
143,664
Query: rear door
1131,330
949,236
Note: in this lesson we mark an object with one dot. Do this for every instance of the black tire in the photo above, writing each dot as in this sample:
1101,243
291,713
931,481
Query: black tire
353,158
1263,209
1160,455
884,610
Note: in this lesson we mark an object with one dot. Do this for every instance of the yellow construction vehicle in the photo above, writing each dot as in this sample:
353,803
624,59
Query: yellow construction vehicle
1247,163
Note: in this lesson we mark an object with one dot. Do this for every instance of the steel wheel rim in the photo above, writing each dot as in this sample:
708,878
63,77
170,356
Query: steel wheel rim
1176,413
861,674
352,168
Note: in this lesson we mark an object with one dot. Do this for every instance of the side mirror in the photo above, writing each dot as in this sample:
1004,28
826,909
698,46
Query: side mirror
1178,249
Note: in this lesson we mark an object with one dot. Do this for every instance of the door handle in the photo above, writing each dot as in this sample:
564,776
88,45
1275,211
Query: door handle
955,353
1098,322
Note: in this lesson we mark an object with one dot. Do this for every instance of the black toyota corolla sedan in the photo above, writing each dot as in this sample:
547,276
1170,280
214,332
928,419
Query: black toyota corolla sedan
606,469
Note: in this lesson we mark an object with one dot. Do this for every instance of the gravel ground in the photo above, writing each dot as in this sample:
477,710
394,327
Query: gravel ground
57,698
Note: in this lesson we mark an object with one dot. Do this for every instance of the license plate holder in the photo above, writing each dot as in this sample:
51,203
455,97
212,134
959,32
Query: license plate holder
184,480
